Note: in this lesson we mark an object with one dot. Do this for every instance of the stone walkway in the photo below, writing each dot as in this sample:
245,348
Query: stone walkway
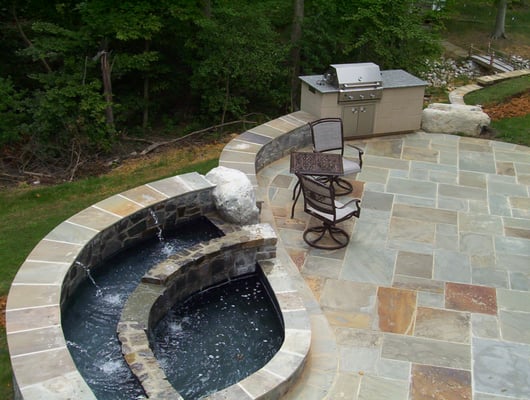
431,298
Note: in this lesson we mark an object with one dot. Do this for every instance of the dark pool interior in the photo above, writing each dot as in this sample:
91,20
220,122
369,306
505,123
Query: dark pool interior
218,336
91,316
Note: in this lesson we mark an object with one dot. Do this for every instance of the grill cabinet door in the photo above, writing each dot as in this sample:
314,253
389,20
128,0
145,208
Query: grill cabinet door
358,120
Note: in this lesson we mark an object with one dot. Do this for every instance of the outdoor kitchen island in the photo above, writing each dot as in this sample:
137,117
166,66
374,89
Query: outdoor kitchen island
369,101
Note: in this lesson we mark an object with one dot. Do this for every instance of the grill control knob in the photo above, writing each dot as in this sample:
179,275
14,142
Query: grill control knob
372,95
350,97
361,96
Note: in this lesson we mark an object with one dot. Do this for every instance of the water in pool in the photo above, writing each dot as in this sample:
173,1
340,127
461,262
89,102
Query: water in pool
218,336
90,319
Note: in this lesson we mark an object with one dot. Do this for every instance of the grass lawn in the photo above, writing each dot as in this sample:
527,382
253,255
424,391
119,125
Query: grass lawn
513,130
499,92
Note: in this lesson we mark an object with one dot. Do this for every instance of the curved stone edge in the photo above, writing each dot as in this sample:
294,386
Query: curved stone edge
457,95
258,147
41,363
156,294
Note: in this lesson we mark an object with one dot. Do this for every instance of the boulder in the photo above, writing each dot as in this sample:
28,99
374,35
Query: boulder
234,196
454,118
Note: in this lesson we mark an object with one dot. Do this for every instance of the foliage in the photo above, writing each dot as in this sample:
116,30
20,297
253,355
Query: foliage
238,58
204,61
392,34
512,130
12,110
473,20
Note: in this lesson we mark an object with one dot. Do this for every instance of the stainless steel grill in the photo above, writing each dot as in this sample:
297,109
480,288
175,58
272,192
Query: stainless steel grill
355,82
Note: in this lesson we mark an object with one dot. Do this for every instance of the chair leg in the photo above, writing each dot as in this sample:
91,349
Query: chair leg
339,236
343,187
296,194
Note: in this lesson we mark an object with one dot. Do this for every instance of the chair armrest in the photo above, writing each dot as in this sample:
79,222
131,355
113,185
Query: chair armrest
360,151
356,201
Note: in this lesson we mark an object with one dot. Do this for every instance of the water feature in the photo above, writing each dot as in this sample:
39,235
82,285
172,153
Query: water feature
89,276
218,336
159,232
97,304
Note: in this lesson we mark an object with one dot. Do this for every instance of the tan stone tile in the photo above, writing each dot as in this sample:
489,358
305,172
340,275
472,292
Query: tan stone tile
385,148
505,168
415,283
419,154
144,195
515,232
439,324
414,230
297,256
396,309
437,383
315,283
425,214
118,205
348,319
472,298
520,202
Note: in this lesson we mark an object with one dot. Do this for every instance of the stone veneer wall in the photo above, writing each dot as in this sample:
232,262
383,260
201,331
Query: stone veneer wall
134,229
203,265
266,143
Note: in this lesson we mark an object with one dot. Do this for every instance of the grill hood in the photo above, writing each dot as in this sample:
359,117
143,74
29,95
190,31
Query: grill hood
352,76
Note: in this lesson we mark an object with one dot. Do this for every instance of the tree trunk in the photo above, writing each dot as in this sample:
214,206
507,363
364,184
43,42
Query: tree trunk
498,32
26,39
145,120
227,98
106,71
207,8
296,36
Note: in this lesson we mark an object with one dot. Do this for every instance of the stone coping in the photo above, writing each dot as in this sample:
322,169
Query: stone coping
257,147
172,281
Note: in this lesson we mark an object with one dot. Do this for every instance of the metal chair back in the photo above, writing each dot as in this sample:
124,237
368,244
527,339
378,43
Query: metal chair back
319,198
327,135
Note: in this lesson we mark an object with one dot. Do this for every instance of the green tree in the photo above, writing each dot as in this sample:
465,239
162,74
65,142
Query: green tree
12,112
392,34
239,57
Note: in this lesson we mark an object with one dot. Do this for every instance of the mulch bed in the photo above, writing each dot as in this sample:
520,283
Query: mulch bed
517,106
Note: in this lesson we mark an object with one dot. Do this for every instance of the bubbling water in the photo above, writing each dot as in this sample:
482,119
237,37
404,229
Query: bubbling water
218,336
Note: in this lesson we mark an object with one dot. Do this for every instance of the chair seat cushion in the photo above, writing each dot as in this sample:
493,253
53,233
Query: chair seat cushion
340,212
350,167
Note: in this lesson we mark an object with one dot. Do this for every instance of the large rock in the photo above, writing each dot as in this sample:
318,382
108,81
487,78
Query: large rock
454,118
234,196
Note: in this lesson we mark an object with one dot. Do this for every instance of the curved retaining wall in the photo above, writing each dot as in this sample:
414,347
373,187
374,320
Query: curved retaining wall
258,147
42,365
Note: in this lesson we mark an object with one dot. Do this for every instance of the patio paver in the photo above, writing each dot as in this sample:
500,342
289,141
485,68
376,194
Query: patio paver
430,298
